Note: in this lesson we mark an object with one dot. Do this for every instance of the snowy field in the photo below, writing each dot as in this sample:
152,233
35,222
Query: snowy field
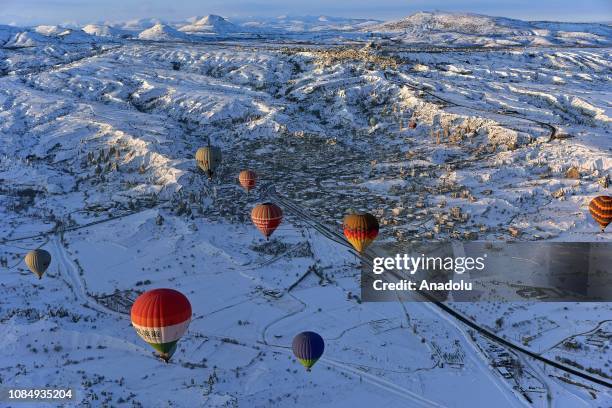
98,129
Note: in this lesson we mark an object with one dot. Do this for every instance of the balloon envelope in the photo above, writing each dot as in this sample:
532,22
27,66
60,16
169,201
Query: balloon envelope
360,230
267,217
247,179
208,159
601,209
161,317
308,347
38,261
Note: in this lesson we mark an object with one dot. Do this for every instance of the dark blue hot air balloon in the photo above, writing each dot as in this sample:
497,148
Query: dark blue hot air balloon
308,348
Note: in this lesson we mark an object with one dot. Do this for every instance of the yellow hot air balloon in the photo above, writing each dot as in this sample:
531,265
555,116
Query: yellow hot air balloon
38,261
208,159
360,230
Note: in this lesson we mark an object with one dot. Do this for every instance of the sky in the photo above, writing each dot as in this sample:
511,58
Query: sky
30,12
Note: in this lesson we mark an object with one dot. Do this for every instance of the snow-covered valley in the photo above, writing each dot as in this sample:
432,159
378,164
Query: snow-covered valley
503,134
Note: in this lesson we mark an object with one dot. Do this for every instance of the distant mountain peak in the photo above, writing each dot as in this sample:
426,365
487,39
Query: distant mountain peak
212,19
162,32
468,29
453,22
104,30
211,24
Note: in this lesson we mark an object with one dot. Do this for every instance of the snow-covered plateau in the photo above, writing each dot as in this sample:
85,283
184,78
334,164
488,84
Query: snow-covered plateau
444,126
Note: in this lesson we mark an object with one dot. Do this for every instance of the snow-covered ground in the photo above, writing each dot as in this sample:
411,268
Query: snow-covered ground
98,129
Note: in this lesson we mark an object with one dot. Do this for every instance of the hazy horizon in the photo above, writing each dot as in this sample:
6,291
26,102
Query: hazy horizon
33,12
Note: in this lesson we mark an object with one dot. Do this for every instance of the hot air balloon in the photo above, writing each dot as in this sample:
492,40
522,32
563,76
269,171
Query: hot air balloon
308,347
267,217
161,317
38,261
247,179
360,230
601,210
208,159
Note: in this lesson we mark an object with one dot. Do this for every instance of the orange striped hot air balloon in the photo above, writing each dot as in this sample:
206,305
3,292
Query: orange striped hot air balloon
601,209
161,317
267,217
247,179
360,230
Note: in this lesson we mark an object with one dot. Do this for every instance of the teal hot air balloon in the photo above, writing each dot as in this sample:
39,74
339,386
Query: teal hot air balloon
308,347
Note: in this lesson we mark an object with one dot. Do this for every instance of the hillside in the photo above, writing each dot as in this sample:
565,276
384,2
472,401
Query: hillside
106,31
472,29
163,32
211,24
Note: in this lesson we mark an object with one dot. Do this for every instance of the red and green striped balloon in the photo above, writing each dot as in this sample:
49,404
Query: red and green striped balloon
161,318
